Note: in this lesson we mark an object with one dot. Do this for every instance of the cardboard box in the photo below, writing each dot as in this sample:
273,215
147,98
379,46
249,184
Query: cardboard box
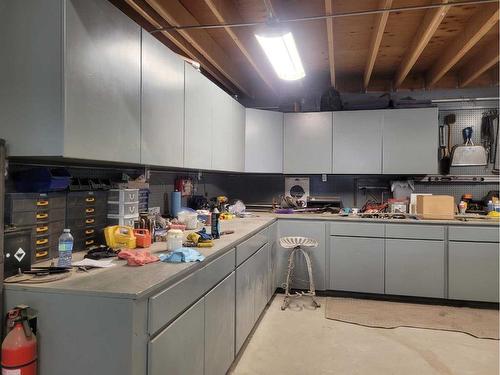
436,207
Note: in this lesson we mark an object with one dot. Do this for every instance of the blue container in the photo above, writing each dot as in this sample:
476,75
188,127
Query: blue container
42,180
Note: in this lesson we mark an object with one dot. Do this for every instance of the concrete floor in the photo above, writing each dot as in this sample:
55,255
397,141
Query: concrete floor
304,342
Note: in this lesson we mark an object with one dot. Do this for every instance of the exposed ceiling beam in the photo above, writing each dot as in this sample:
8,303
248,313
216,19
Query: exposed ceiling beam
329,32
224,11
477,65
378,32
174,13
428,27
476,27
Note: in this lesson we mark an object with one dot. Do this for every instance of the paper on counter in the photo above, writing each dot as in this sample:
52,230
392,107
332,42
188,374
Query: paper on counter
103,263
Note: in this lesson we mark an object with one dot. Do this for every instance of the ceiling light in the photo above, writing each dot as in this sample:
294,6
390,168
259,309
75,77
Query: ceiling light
282,52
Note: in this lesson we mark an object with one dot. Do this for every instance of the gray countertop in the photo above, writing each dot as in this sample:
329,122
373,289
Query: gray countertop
122,281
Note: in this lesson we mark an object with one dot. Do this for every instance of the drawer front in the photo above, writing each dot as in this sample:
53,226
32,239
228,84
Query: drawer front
472,233
166,305
357,229
250,246
415,231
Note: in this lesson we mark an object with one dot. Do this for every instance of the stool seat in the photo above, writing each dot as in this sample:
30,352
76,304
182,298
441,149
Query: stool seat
293,242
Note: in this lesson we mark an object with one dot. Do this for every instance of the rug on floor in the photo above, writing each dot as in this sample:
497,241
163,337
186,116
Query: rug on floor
481,323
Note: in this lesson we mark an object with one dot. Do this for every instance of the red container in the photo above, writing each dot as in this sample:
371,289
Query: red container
19,352
142,237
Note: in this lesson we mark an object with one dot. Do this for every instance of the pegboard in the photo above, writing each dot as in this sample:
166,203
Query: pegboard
466,117
478,191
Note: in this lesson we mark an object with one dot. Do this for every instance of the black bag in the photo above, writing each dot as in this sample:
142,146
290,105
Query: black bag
330,100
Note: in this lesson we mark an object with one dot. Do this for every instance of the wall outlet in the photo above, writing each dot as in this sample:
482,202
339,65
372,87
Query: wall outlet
323,177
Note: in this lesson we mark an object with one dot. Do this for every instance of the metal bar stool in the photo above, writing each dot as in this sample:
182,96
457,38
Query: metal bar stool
297,244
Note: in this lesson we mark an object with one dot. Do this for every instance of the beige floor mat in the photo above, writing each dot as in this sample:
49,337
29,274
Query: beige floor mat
481,323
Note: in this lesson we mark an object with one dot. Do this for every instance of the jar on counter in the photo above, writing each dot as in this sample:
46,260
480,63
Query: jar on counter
174,239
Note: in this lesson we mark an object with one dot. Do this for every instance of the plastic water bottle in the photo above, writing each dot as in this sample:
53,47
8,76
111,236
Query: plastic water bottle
65,249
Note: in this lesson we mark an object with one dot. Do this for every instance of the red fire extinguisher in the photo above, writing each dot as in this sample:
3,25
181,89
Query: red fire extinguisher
19,350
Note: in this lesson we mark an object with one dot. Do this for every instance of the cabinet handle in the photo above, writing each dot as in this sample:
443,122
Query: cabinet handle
89,221
89,242
42,229
131,197
42,203
89,231
42,242
42,216
42,254
90,199
89,210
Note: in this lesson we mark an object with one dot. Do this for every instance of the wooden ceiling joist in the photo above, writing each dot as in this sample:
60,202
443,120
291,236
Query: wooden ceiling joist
477,65
478,25
175,14
329,32
178,41
378,33
428,27
226,12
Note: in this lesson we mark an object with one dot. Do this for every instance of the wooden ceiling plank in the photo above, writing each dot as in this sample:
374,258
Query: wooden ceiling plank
378,32
329,31
428,27
478,64
175,14
190,54
478,25
228,13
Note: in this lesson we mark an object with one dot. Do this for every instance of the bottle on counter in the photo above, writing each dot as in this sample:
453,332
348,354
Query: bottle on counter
215,224
65,249
490,206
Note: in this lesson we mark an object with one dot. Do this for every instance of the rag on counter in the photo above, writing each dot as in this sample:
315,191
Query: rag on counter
137,257
182,255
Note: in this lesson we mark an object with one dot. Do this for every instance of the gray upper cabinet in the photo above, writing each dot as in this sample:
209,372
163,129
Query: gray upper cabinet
308,143
76,87
162,135
199,97
410,141
228,129
357,142
263,141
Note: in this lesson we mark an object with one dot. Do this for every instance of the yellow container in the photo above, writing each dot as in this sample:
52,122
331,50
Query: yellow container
118,236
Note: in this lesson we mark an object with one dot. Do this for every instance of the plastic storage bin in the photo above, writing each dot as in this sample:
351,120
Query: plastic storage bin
126,221
123,196
42,180
125,209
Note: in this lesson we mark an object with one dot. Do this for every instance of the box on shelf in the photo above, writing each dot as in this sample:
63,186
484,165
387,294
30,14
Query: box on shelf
436,207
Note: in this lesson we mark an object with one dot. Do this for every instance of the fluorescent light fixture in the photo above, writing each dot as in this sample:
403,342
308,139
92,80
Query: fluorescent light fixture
283,55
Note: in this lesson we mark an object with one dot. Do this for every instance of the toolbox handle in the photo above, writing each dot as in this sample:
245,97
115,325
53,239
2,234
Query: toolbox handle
89,210
89,231
42,203
42,216
42,229
42,254
89,221
90,199
89,242
42,241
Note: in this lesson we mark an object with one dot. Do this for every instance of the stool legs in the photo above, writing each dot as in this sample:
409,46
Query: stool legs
291,265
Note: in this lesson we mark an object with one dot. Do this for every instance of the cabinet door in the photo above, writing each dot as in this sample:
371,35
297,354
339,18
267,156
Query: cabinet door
263,141
473,271
273,248
180,348
199,98
308,143
311,229
245,300
357,142
162,140
219,327
414,268
357,264
261,280
228,131
103,83
410,141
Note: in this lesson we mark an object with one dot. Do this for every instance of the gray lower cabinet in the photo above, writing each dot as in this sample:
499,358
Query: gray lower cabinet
273,248
473,271
180,348
415,268
357,264
245,300
261,280
219,327
311,229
